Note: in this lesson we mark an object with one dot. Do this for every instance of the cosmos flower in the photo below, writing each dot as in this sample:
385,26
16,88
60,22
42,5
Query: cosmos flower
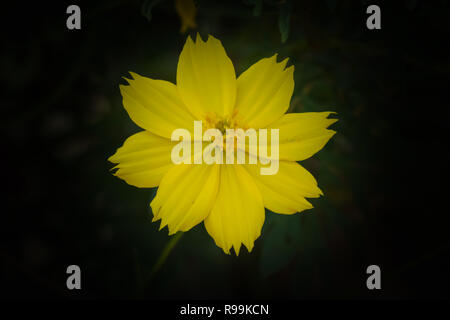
228,198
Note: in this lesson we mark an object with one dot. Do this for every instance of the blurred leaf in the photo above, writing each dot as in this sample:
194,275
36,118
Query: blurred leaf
279,245
308,105
257,6
286,235
284,20
147,6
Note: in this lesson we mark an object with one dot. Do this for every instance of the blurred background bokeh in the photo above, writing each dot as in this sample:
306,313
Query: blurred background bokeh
384,175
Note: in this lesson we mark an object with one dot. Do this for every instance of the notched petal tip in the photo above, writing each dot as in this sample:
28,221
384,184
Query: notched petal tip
283,64
213,39
332,119
251,245
123,87
237,248
162,225
320,192
189,40
155,218
331,132
198,38
308,206
290,70
111,158
114,170
272,58
134,75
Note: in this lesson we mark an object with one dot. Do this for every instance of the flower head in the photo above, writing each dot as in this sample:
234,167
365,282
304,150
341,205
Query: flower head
228,198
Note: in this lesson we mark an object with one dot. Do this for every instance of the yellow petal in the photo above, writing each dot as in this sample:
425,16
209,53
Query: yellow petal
302,134
285,191
155,105
143,159
205,78
187,11
185,196
238,214
264,92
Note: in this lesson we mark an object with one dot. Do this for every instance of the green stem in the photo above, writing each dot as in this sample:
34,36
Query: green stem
165,253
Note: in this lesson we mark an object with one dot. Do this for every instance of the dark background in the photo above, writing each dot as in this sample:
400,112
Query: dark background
384,175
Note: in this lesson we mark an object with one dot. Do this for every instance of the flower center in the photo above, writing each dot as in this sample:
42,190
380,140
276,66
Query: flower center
212,120
223,125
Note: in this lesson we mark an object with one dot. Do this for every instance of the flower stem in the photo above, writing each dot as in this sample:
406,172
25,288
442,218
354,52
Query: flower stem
164,254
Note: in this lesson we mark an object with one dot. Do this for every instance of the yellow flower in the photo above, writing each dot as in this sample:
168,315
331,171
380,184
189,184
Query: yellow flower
228,198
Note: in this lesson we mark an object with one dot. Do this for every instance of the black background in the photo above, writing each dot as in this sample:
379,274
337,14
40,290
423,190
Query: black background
51,217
